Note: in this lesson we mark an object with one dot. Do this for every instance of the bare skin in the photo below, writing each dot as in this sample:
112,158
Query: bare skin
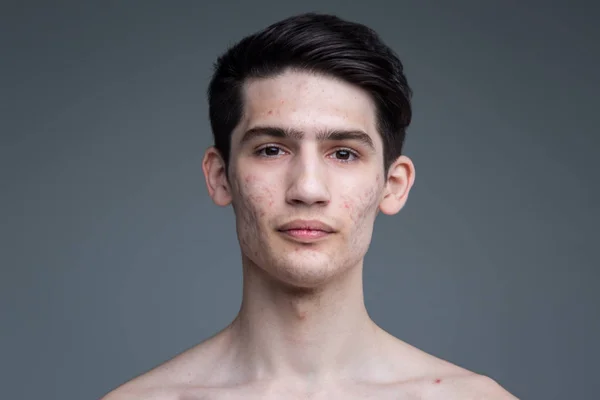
303,331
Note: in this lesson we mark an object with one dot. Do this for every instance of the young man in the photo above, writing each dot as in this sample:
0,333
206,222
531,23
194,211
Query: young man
309,117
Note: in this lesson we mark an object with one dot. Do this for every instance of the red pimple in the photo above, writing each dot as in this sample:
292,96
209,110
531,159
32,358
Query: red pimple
438,381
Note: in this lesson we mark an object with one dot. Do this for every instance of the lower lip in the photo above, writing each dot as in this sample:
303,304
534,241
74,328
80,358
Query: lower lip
305,233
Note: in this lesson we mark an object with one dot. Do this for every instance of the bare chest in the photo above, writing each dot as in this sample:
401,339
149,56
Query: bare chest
407,392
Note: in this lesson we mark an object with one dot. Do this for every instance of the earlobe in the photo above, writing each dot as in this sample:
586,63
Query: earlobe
400,178
215,174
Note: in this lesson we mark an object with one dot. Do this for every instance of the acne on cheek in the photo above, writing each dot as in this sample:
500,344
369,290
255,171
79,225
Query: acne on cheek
363,203
260,201
348,207
370,199
253,200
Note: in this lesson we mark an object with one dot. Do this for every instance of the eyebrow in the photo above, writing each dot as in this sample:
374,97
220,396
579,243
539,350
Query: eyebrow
294,134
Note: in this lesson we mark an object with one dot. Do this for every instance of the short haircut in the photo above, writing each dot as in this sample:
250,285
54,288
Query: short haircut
317,43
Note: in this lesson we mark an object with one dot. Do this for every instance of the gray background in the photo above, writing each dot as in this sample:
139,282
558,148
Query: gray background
114,259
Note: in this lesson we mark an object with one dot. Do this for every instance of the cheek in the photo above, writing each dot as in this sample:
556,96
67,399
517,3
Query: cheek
256,197
360,204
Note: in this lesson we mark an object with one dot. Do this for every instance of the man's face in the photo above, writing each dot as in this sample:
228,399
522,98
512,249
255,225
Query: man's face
306,176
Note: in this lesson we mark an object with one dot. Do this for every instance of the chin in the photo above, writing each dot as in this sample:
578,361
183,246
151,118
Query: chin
305,269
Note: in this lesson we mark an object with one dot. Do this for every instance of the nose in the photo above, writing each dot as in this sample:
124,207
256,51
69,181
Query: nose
308,182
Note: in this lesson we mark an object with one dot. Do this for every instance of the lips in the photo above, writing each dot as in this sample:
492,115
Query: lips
306,225
306,231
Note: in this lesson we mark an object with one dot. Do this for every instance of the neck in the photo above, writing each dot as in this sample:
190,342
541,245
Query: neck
306,334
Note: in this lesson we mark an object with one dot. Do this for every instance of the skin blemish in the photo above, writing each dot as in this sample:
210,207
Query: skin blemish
355,191
437,381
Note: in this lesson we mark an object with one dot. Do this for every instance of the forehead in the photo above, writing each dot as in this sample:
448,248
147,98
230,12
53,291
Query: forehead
306,102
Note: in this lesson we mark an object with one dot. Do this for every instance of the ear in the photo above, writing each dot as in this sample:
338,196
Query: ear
400,178
215,174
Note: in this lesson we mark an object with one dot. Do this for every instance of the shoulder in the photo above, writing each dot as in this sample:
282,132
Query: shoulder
156,384
130,392
466,387
152,385
173,377
164,382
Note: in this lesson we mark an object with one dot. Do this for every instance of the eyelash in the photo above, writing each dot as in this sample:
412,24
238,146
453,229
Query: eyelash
353,153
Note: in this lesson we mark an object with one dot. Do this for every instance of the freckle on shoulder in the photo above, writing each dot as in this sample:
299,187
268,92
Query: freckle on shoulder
467,386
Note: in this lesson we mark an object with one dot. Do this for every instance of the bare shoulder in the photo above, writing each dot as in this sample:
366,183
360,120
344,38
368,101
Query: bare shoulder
132,393
152,385
465,387
168,380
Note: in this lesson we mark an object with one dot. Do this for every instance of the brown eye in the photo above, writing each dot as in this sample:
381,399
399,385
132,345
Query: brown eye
270,151
345,155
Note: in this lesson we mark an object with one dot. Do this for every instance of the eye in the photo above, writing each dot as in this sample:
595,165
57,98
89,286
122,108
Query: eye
345,155
270,151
